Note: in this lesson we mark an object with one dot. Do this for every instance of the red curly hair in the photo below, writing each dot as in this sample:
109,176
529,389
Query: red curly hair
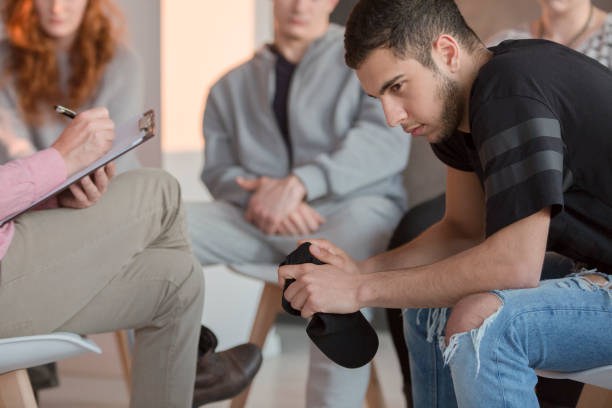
32,63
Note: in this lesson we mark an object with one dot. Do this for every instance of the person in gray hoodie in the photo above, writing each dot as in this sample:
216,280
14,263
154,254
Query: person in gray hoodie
296,149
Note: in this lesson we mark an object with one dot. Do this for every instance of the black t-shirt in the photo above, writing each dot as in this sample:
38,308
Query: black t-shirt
541,122
284,73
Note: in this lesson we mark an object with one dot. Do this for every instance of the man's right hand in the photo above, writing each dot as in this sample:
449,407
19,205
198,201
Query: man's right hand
304,220
87,138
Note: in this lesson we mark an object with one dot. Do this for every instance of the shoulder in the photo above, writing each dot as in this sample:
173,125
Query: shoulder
518,33
125,61
599,45
607,26
252,69
329,47
516,68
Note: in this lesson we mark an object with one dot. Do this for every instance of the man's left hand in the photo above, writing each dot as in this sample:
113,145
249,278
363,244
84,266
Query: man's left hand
330,288
88,190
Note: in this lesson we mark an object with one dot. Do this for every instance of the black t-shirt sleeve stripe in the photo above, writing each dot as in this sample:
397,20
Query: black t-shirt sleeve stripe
520,148
509,139
527,149
517,173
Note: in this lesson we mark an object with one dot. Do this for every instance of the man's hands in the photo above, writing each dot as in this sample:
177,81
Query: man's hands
87,138
331,288
88,190
273,200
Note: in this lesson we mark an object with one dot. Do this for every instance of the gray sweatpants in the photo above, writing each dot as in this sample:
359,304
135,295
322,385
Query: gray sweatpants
123,263
361,226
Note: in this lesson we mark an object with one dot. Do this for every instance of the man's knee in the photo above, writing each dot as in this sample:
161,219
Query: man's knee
470,313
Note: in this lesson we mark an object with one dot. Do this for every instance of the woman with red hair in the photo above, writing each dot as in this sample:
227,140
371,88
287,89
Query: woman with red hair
66,53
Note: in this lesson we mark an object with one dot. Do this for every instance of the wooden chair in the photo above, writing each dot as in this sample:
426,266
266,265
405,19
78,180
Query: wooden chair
269,307
123,345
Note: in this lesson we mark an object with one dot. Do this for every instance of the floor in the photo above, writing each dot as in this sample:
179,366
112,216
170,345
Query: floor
92,381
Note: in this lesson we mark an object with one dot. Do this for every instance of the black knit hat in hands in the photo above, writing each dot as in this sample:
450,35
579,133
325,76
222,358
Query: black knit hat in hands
347,339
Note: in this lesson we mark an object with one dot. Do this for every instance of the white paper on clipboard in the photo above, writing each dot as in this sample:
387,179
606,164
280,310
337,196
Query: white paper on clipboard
128,135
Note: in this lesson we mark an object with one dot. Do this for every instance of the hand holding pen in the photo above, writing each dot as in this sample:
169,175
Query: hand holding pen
87,138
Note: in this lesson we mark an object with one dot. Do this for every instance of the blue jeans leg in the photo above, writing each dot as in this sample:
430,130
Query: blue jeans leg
562,325
432,386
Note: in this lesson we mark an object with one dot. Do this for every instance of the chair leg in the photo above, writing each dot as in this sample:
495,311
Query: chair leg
124,353
594,397
16,390
374,396
269,307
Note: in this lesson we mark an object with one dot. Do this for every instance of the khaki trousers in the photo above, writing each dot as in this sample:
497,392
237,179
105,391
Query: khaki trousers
123,263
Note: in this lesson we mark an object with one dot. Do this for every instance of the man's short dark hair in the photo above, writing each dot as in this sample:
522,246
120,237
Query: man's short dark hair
406,27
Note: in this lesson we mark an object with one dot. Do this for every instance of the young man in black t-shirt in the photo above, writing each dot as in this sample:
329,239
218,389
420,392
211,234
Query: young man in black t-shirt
525,132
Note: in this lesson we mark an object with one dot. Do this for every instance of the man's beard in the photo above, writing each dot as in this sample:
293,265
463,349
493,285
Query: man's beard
452,110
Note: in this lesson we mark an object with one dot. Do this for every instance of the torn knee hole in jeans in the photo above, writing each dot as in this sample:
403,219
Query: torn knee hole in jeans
436,322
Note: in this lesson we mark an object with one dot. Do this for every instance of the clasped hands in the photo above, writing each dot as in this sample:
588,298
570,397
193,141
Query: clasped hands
331,288
277,206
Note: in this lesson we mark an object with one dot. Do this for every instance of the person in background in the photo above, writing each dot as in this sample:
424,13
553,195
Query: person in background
294,147
63,53
577,24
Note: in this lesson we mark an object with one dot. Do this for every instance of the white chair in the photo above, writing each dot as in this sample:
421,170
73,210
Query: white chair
597,389
19,353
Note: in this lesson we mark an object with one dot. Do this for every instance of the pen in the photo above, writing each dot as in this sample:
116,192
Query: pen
65,111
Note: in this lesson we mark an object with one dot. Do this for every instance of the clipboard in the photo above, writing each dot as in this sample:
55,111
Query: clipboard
128,136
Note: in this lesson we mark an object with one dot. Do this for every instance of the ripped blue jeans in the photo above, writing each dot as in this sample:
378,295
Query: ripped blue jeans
562,325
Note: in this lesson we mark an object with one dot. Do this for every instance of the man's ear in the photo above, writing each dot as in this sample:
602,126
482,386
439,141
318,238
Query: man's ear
446,52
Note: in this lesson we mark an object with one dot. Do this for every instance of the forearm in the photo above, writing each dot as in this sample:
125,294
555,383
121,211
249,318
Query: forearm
24,181
221,182
509,259
438,242
445,282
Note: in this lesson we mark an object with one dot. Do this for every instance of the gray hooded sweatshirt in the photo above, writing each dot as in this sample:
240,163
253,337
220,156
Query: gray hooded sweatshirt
341,145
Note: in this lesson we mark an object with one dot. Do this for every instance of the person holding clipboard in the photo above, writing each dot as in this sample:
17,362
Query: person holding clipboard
123,260
72,53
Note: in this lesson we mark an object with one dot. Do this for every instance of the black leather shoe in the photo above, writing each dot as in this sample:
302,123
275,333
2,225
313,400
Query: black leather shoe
223,375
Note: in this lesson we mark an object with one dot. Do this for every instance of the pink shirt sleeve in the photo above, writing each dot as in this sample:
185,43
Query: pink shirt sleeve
25,180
